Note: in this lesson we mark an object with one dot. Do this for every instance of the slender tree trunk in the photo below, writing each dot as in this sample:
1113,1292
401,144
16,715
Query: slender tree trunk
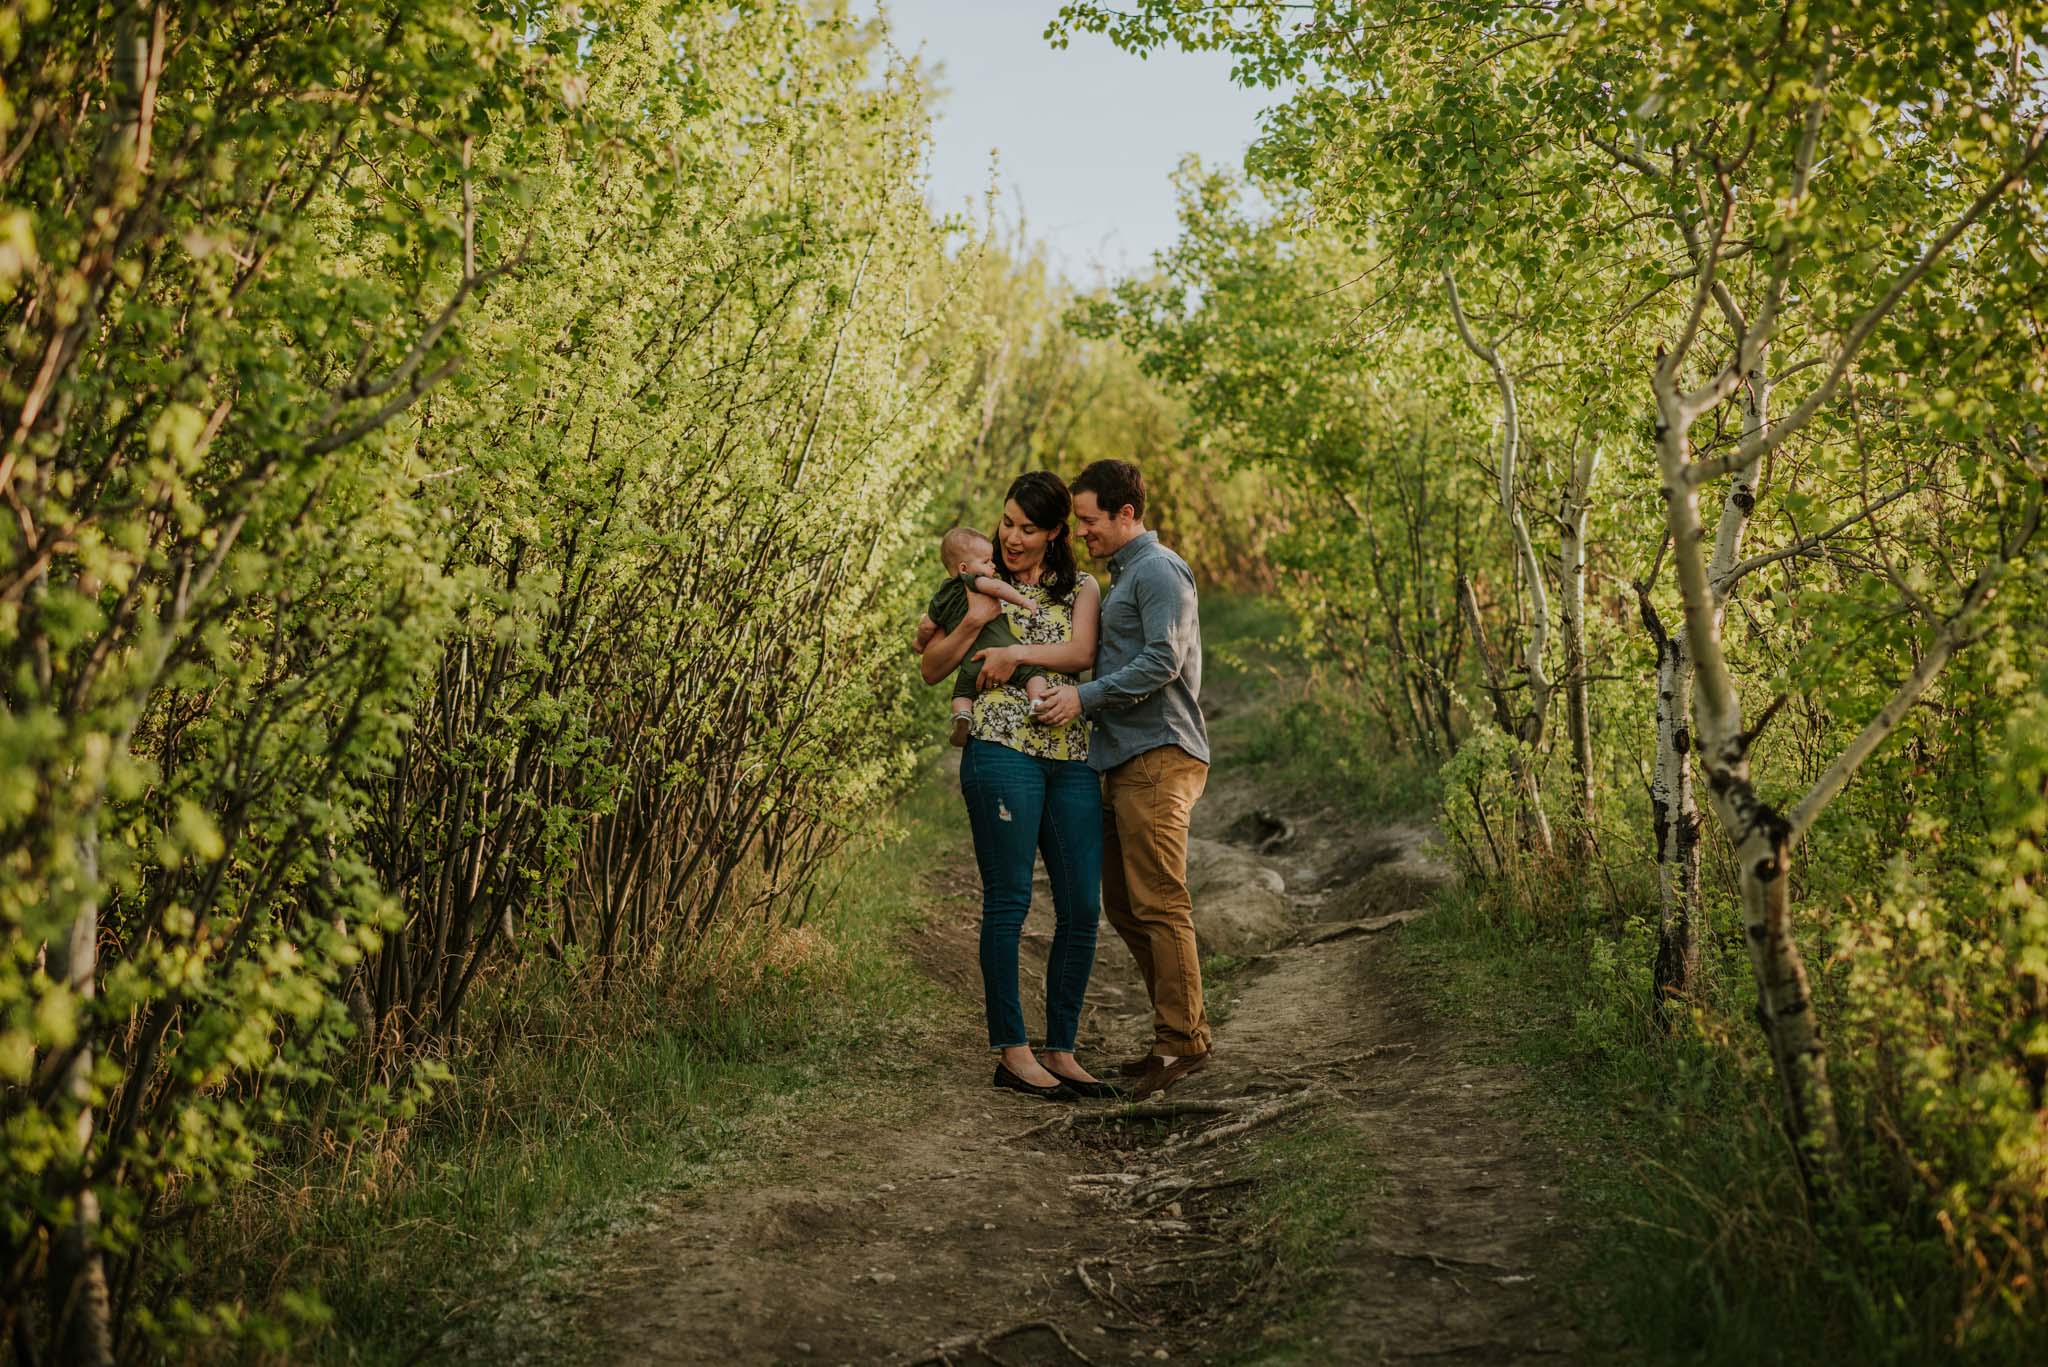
1533,822
1675,813
1675,820
1761,836
1572,620
1530,730
1674,806
81,1322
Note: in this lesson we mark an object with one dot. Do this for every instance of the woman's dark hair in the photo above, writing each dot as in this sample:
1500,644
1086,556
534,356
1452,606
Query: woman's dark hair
1044,498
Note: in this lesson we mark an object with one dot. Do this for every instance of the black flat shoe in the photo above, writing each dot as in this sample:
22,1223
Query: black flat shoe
1059,1091
1093,1090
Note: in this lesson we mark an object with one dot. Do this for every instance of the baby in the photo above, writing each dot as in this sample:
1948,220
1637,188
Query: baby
970,563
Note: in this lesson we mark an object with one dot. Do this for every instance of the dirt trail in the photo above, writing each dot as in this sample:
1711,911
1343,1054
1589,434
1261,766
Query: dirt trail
989,1230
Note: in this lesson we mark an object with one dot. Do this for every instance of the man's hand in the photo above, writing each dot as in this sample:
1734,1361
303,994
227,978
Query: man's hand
998,663
927,629
1061,706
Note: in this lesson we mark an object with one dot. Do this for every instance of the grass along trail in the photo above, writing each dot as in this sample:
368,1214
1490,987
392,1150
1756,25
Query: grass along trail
1341,1185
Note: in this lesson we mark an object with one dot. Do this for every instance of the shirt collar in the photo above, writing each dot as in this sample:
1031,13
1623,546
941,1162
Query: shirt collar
1121,561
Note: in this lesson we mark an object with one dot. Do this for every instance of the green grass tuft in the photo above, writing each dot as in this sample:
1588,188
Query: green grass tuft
1316,1187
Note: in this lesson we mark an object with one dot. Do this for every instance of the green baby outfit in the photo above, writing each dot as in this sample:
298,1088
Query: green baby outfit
947,608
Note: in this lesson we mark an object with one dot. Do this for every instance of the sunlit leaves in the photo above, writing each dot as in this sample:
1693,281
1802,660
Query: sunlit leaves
1838,168
432,352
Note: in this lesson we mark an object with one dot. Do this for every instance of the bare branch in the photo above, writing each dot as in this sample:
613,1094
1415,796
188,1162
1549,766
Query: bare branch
1709,267
1806,544
341,437
1750,736
1510,504
1632,160
1953,634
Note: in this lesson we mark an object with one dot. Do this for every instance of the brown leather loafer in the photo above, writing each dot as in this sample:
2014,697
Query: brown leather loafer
1164,1075
1138,1067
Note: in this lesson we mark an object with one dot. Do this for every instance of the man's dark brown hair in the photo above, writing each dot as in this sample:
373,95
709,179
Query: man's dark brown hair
1114,483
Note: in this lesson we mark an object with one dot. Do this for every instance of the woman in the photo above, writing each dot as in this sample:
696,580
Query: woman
1029,790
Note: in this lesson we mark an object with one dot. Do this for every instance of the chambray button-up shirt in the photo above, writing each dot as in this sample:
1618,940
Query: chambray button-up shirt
1148,667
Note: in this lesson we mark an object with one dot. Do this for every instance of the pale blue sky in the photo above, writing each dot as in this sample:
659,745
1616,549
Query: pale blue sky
1086,136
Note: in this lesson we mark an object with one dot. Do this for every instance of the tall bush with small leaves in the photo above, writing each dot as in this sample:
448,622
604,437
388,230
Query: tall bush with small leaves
460,466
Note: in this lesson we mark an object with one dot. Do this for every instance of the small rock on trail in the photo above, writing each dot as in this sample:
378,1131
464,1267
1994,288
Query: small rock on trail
1244,907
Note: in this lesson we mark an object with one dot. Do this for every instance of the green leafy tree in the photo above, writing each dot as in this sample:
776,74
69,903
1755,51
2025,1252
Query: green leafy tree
1781,257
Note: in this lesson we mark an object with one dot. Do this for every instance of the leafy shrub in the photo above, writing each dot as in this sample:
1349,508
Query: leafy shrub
465,510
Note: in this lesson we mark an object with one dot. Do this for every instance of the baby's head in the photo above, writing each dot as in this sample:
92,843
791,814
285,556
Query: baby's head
967,551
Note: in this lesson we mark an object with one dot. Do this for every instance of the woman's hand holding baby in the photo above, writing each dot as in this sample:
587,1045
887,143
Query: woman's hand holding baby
998,663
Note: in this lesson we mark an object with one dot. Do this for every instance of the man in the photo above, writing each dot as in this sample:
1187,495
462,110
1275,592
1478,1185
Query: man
1152,748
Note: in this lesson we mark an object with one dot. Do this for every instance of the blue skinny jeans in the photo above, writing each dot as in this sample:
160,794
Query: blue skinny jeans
1018,804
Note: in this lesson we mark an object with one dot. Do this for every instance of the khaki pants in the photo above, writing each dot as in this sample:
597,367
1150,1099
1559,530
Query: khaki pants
1146,804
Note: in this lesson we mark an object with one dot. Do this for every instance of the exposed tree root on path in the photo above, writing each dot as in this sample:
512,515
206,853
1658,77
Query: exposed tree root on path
963,1349
1249,1111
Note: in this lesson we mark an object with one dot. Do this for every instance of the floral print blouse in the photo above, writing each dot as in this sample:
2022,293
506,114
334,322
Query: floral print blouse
1003,715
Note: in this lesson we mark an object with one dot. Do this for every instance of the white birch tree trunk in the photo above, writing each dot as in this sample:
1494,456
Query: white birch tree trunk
1674,820
1572,621
1674,804
81,1313
1760,834
1530,731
